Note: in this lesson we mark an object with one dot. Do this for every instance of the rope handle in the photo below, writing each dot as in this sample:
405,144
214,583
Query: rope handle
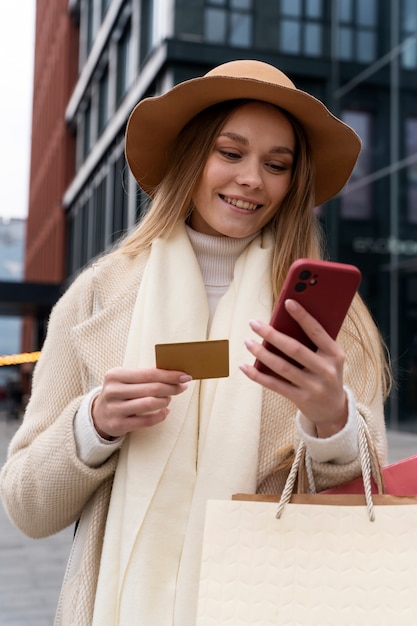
370,467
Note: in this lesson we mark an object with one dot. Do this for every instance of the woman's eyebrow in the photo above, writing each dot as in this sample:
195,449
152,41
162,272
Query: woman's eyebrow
236,137
242,140
282,150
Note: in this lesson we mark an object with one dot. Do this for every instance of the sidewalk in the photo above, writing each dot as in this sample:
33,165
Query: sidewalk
31,570
401,445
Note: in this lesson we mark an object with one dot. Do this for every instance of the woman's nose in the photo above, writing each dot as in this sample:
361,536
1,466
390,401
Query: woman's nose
249,174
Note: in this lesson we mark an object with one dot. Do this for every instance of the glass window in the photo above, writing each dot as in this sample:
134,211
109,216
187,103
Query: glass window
409,56
82,228
314,8
90,24
290,36
215,26
313,39
87,130
104,6
241,4
240,30
409,30
229,22
366,13
356,199
74,249
103,101
70,247
291,7
409,15
357,30
123,62
98,225
120,199
411,151
345,44
146,21
345,8
301,27
366,42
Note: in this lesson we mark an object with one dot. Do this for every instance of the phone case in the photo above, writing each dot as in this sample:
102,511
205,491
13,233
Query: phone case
325,289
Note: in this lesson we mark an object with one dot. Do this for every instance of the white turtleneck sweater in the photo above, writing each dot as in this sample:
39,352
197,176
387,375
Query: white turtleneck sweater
217,257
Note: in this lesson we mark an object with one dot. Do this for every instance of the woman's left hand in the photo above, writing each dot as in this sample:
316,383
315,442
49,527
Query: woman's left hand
316,388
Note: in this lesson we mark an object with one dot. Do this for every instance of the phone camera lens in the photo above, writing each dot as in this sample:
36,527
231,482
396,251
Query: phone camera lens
304,275
300,287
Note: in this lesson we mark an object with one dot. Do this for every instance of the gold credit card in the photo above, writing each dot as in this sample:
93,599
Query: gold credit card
199,359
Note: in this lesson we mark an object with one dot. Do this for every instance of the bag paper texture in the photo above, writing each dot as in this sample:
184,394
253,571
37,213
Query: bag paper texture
318,565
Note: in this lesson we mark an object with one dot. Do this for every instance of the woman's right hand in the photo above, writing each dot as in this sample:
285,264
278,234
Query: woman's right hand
131,399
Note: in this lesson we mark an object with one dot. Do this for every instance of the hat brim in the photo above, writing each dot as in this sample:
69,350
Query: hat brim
155,123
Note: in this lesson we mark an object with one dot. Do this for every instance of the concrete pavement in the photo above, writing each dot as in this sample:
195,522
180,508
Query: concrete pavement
31,571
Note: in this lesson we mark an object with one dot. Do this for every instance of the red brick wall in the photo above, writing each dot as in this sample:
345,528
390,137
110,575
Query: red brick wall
53,146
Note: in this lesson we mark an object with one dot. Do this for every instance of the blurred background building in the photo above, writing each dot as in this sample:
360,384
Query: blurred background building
12,243
95,59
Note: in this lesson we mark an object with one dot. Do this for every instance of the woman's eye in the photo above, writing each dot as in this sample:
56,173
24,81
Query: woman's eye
230,155
276,167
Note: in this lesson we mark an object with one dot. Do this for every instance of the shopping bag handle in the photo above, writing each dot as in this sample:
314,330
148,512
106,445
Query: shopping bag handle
369,466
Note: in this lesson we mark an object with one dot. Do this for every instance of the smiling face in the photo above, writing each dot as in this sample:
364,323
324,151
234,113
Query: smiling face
247,174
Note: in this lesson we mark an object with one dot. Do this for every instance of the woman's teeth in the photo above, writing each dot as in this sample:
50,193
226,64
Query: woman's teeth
241,204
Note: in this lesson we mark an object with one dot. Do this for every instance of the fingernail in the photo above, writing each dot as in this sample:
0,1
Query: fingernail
290,305
255,325
185,378
249,343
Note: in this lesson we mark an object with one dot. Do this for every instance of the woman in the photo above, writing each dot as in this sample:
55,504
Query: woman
234,163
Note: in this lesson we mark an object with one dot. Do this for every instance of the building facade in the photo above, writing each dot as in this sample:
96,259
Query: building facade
358,56
52,153
12,243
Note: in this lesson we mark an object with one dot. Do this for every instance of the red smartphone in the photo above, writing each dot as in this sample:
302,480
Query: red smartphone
325,289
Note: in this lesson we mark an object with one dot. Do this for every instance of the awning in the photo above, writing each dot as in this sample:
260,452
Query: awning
28,299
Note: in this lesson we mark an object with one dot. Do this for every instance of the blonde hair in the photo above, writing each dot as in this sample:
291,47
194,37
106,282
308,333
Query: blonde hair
172,201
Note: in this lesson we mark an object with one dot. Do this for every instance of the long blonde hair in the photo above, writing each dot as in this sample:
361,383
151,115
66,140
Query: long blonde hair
172,201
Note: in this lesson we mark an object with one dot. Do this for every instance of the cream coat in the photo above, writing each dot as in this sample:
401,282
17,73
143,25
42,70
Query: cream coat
45,487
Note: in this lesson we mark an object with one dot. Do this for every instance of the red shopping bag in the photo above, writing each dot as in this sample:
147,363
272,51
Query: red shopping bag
400,479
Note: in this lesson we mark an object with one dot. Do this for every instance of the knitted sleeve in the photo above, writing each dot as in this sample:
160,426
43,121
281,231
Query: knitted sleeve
43,484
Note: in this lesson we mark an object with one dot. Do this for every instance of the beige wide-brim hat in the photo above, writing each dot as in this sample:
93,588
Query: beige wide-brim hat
156,122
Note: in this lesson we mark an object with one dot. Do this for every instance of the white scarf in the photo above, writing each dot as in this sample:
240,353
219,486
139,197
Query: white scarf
206,448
